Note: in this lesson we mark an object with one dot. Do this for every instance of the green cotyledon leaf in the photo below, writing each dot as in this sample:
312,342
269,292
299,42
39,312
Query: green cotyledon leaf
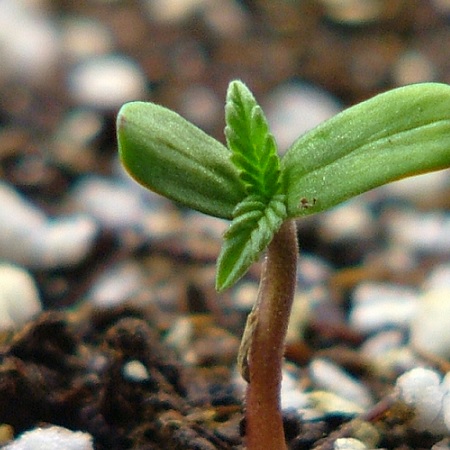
258,217
171,156
396,134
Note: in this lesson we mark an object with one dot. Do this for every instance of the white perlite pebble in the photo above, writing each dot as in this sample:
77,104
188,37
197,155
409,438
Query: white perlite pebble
413,67
200,105
19,297
291,396
381,305
107,82
438,278
28,238
331,377
430,328
424,232
348,444
173,11
52,438
388,354
117,285
83,37
112,203
227,19
312,271
64,242
294,108
443,444
446,403
422,390
323,404
16,213
135,371
29,41
352,219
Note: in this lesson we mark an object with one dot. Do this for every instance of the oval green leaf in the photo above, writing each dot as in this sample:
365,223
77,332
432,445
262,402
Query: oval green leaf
171,156
397,134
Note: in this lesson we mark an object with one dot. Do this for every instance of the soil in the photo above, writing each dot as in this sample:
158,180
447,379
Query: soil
78,366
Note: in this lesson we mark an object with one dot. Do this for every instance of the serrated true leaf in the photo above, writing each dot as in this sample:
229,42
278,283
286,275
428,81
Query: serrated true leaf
251,231
172,157
400,133
254,151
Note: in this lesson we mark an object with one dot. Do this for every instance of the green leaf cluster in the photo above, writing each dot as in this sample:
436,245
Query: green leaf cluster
396,134
259,216
254,151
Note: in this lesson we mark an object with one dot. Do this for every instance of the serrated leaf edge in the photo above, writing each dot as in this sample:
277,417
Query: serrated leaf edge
253,147
248,235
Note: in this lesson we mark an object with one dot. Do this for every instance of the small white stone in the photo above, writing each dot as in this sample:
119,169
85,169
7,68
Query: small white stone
110,202
28,238
421,389
352,219
73,144
413,67
244,295
83,37
446,402
20,221
349,444
226,18
17,213
291,395
294,108
331,377
29,42
388,353
430,328
419,187
380,305
424,232
64,242
443,444
117,285
312,272
173,11
353,11
19,297
438,278
376,347
303,307
52,438
327,403
180,335
135,371
107,82
79,127
201,106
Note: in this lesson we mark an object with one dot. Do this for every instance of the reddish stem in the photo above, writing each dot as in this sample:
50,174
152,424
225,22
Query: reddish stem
264,425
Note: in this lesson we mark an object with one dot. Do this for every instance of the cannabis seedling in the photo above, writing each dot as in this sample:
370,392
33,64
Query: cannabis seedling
393,135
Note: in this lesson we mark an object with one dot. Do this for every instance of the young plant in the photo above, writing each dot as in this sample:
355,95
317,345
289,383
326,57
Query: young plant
396,134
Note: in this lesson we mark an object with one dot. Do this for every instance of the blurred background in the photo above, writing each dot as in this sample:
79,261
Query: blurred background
68,212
